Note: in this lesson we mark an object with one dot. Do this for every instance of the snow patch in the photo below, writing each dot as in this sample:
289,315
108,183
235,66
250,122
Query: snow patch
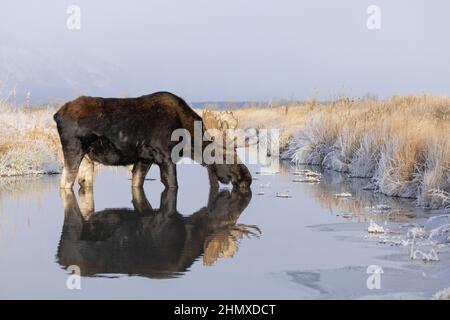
375,228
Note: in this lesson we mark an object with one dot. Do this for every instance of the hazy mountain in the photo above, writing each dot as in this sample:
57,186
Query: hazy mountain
58,75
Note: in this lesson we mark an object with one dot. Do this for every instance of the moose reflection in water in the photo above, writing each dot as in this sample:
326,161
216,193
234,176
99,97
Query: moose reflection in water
155,243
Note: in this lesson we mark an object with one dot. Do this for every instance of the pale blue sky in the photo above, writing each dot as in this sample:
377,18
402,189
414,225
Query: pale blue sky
225,49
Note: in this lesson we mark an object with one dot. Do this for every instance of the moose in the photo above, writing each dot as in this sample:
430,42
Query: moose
154,243
137,132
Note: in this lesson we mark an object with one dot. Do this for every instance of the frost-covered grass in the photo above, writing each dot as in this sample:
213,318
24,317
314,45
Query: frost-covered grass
29,142
402,143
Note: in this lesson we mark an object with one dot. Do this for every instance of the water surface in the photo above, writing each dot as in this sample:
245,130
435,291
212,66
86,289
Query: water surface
198,244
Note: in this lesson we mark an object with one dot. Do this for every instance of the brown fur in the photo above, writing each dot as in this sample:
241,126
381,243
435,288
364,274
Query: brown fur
132,131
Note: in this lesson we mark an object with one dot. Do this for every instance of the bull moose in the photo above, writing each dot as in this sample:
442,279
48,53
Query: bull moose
154,243
133,131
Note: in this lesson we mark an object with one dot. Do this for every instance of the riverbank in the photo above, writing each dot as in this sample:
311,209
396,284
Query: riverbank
402,144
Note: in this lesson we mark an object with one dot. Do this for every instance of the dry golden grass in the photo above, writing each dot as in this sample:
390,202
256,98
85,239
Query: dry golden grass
402,143
289,119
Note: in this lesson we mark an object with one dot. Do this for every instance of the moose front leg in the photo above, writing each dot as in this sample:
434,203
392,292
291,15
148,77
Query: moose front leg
213,180
168,202
86,173
169,174
139,172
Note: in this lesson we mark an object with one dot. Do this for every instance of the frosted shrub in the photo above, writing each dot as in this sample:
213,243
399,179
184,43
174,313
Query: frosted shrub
29,143
366,156
403,144
434,191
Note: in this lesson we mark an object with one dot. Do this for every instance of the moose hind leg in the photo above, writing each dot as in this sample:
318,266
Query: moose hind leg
86,173
140,202
169,174
73,154
139,172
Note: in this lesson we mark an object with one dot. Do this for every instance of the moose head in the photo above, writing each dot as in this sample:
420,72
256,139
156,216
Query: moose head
222,129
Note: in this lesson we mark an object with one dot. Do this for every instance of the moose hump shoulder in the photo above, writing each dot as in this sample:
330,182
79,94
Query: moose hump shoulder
132,131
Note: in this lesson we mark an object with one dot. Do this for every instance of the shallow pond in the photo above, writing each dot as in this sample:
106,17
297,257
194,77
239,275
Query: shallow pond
287,240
